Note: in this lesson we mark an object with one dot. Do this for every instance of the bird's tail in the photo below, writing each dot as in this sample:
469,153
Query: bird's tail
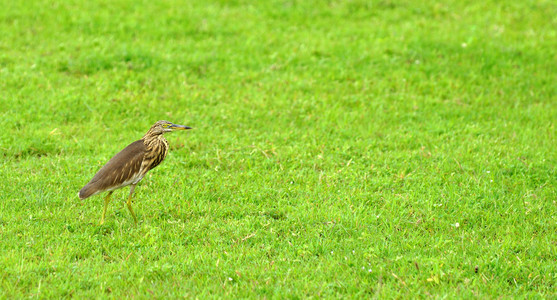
85,192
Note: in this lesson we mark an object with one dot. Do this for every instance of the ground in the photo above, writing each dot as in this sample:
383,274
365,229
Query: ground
357,149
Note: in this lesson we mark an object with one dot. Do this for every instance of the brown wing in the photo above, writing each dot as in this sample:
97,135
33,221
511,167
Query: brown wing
117,172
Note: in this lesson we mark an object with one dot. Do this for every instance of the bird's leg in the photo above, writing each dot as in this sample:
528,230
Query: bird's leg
129,203
106,201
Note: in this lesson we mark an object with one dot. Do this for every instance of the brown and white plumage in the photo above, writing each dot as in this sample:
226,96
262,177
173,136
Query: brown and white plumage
130,165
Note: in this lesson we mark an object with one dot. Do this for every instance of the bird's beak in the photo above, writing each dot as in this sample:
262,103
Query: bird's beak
179,127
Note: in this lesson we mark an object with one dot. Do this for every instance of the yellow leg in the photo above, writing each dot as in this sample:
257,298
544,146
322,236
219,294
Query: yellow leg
106,201
129,203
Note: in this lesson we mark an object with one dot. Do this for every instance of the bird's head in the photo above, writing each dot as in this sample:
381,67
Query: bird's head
164,126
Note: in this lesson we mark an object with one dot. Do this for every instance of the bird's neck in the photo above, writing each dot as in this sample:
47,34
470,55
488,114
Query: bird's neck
154,140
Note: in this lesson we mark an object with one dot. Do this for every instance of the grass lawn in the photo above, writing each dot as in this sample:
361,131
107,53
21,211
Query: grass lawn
358,149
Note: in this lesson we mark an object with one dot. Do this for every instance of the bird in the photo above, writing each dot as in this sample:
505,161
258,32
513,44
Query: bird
130,165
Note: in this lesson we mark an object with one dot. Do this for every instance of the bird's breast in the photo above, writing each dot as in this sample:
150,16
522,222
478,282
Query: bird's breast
157,149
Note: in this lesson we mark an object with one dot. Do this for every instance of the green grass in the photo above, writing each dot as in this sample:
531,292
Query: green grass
341,148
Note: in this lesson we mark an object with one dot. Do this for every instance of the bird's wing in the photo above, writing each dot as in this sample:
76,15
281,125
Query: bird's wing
118,171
